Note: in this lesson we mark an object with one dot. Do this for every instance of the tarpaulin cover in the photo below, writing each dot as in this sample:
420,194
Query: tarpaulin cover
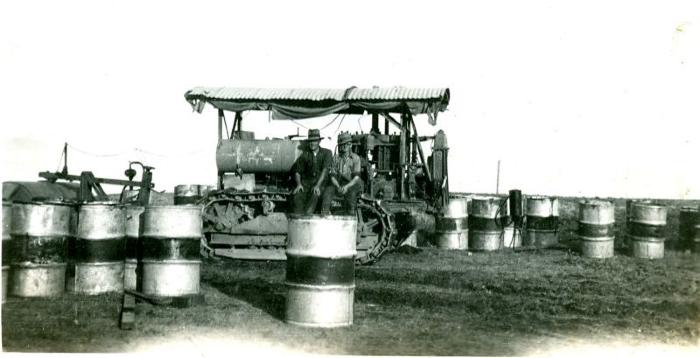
308,103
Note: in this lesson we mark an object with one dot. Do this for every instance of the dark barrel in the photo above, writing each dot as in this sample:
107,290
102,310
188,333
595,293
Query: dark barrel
688,217
170,239
39,234
320,270
596,228
486,216
451,230
133,225
542,224
96,257
647,230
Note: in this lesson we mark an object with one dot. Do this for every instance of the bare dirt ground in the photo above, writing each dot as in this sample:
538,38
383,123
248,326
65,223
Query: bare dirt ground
430,302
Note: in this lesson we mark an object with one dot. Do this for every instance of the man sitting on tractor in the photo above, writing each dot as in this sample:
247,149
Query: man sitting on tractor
345,178
310,171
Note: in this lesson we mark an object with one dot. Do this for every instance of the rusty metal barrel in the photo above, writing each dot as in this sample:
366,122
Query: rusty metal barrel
186,194
451,227
596,228
647,230
320,277
170,261
6,220
486,223
688,218
97,253
39,234
542,225
133,225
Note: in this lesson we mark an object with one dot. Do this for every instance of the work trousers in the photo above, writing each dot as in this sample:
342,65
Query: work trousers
305,202
349,200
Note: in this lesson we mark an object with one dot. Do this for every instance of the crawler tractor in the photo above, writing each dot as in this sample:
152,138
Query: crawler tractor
246,217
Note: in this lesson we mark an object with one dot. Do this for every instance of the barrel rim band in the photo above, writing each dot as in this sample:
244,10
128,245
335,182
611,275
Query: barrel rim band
29,265
649,222
296,253
348,287
170,262
102,263
647,239
100,238
599,223
161,237
599,238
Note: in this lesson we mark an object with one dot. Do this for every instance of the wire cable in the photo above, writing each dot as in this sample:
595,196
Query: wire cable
94,154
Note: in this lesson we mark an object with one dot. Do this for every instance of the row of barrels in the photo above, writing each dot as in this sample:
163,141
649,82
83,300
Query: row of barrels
484,223
52,247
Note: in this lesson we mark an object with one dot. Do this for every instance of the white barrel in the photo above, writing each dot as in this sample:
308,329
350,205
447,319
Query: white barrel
170,239
486,221
542,224
512,237
97,255
320,277
39,234
133,225
596,228
647,230
451,227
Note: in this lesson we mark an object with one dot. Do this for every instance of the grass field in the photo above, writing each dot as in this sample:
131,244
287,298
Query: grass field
430,302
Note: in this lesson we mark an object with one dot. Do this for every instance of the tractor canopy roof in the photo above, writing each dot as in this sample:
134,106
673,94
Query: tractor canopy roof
300,103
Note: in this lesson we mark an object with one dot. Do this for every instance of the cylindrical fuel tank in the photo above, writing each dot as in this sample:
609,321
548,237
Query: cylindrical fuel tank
451,227
170,237
6,220
688,217
542,224
647,230
486,216
186,194
596,228
269,156
133,225
320,270
39,232
97,254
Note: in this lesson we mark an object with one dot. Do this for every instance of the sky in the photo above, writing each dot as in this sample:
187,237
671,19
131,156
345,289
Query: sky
594,98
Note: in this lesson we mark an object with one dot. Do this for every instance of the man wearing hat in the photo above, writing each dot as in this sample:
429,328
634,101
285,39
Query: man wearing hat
345,177
310,171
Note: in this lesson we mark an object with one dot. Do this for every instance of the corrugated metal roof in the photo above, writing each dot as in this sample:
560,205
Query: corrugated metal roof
319,94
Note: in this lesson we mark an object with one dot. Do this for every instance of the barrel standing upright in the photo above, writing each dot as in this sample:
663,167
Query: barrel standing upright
647,230
6,245
170,261
321,270
542,225
39,232
98,251
451,226
486,223
596,228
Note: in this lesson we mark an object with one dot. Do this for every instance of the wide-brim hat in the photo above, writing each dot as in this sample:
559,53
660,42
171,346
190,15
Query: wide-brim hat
344,138
314,135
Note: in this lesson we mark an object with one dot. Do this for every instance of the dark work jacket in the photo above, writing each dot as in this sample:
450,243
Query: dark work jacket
310,166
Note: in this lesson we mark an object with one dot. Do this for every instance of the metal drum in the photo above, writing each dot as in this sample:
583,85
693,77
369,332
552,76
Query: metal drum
647,230
596,228
39,232
542,225
451,228
487,215
97,254
512,237
133,224
6,220
320,270
186,194
204,190
688,217
170,263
